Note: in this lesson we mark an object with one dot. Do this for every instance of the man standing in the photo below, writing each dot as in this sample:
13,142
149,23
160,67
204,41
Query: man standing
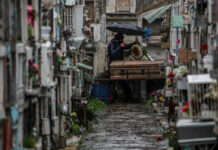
116,48
115,51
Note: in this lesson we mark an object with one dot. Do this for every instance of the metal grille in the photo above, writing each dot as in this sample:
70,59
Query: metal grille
202,104
68,17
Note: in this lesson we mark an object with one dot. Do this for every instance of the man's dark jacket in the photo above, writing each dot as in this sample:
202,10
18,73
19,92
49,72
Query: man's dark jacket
116,51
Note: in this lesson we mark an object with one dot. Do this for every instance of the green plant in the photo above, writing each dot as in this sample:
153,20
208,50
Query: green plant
173,138
91,111
92,108
72,124
149,102
76,129
95,105
29,142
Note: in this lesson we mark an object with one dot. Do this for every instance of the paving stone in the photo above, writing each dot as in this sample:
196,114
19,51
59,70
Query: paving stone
125,127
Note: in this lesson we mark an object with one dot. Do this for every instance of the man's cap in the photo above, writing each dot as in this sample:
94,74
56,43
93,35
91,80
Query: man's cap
118,36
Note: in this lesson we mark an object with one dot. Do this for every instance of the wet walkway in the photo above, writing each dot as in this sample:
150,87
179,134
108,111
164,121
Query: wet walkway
125,127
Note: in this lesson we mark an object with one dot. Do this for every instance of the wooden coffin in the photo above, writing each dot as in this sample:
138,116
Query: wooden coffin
121,70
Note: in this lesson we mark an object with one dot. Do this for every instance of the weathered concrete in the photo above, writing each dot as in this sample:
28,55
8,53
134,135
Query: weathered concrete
125,127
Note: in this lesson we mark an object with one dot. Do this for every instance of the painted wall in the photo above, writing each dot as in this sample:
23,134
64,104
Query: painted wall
116,6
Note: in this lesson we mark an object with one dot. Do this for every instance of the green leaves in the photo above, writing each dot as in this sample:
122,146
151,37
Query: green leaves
95,105
29,142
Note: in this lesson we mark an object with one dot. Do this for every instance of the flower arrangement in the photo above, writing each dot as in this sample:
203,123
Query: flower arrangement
204,49
170,80
180,72
72,124
171,74
33,68
154,93
185,108
137,51
161,98
171,60
212,92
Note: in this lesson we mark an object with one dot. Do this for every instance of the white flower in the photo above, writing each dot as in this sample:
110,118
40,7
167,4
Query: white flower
180,72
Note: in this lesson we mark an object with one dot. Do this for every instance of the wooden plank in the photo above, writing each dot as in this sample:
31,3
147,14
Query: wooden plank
129,64
145,77
145,69
121,70
132,77
136,71
136,74
118,77
115,72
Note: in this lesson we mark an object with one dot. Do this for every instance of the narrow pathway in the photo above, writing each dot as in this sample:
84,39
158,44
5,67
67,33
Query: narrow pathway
125,127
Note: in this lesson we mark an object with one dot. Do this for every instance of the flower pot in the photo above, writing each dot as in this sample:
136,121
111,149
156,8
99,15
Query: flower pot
182,84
